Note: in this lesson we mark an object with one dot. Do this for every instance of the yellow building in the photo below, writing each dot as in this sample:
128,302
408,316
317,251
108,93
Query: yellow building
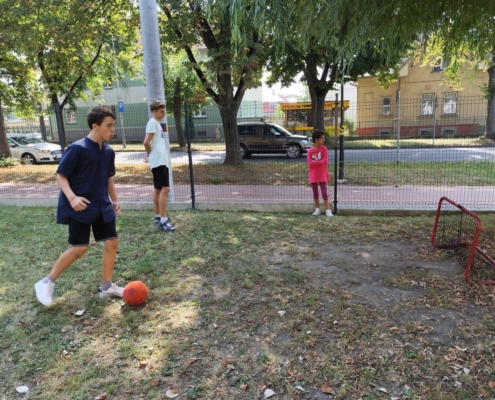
427,106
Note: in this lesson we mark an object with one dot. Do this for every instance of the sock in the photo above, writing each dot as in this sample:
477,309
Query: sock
157,215
47,279
163,220
105,285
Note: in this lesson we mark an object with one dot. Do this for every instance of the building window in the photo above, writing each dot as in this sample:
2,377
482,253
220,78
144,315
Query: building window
427,104
200,114
386,106
438,66
450,103
70,117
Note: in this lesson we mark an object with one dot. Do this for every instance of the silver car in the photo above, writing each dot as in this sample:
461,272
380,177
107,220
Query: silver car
33,150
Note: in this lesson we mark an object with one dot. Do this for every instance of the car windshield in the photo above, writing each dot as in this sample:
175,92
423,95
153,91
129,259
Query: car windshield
26,140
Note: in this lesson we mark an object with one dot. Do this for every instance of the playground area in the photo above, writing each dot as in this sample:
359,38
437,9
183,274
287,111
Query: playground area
242,304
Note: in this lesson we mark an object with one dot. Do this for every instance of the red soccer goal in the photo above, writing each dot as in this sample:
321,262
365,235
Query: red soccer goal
457,227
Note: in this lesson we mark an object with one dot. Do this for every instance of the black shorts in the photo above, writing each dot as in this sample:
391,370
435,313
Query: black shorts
160,177
79,231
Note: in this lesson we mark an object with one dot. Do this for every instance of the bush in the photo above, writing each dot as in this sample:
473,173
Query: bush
8,162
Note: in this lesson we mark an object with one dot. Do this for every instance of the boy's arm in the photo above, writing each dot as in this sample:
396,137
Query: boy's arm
147,145
76,202
112,193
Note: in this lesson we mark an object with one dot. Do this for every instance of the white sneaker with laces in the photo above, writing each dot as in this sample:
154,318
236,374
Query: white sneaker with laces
44,292
317,212
329,213
113,290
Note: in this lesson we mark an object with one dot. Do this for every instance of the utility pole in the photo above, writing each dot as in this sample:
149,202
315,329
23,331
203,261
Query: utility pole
119,98
153,69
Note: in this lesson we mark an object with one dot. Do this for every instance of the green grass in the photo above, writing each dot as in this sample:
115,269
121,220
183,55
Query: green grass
284,173
211,327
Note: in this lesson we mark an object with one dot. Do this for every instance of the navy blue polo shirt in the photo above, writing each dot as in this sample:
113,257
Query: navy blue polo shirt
87,168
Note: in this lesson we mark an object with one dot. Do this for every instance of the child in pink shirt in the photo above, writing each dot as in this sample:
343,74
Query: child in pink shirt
318,170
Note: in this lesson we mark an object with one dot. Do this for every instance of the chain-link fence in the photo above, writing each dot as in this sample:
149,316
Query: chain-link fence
395,155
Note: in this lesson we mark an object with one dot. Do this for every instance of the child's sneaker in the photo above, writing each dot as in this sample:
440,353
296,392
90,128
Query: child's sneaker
166,226
329,213
113,290
317,212
44,292
157,221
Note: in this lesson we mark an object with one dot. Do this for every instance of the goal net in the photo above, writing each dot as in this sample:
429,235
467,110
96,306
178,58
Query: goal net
458,228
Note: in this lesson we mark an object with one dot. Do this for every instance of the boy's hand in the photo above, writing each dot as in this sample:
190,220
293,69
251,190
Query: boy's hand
79,203
146,159
116,208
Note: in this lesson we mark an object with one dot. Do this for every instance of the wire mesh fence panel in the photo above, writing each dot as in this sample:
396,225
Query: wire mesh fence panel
257,154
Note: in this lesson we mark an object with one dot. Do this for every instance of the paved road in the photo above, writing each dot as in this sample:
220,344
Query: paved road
367,155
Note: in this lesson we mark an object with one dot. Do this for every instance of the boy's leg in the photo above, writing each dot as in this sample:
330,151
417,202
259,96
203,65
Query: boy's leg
108,260
163,197
107,232
79,239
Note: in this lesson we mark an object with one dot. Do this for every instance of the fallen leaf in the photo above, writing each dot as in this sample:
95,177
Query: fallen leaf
22,389
382,390
269,393
394,329
328,390
281,313
314,354
102,396
155,382
243,386
491,384
80,312
192,360
143,363
300,388
171,393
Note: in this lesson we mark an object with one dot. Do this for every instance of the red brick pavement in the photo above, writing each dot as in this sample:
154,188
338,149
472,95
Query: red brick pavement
365,197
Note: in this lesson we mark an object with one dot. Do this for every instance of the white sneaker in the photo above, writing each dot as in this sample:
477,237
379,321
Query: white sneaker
44,292
317,212
329,213
113,290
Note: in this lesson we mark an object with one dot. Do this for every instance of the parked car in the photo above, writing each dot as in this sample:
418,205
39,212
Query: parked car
267,138
32,149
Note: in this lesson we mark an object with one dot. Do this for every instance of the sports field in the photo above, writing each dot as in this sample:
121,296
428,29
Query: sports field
351,307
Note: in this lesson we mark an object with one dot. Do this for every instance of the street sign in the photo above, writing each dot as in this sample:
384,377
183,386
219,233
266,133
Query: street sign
121,106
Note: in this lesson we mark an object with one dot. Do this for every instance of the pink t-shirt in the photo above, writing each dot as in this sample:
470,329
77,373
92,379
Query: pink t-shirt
318,164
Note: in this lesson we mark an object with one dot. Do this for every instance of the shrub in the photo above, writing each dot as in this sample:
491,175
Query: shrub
8,162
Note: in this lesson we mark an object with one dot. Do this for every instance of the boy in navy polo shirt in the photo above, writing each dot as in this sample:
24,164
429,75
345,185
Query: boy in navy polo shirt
87,199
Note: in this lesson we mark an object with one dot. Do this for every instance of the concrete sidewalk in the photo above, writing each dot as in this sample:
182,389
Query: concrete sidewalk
273,198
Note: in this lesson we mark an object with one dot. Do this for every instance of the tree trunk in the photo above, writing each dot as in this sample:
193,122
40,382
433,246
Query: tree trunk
60,122
318,109
490,119
178,125
4,145
228,112
42,123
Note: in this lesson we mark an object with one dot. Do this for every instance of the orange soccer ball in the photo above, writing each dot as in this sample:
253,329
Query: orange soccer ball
135,293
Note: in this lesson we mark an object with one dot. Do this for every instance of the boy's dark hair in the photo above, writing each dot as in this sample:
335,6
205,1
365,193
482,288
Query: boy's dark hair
97,114
317,133
156,105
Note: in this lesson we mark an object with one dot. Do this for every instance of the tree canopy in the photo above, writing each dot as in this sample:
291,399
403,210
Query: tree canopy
227,71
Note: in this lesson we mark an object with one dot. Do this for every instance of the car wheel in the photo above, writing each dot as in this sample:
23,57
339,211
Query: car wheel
293,151
29,158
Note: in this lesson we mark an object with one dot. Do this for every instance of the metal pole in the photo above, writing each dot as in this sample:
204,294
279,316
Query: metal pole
341,128
398,125
335,155
119,98
435,105
189,153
